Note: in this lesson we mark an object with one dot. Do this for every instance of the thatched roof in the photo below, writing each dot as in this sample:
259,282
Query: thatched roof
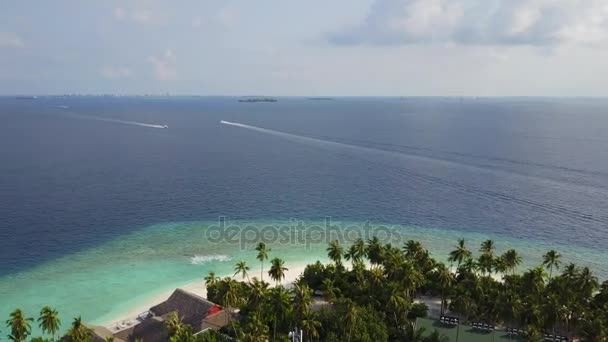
215,321
100,334
150,330
192,309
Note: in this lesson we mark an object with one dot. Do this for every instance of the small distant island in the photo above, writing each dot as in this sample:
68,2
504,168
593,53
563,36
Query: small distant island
320,98
258,99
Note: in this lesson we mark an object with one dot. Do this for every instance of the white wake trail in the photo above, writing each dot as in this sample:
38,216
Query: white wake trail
124,122
297,137
398,155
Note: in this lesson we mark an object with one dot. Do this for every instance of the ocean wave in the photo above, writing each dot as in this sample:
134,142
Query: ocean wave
203,259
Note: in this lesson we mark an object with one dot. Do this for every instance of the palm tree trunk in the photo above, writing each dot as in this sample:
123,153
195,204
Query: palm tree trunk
262,272
228,314
396,321
442,300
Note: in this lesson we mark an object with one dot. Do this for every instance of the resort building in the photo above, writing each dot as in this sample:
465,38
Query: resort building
194,310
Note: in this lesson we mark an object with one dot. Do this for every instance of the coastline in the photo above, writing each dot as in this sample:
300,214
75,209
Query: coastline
197,287
159,258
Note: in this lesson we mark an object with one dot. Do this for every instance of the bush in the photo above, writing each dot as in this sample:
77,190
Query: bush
314,274
418,310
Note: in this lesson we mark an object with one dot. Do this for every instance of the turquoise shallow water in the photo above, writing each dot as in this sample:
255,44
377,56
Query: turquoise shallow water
105,281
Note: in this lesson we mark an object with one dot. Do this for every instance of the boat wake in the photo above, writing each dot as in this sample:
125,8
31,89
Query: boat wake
203,259
348,149
124,122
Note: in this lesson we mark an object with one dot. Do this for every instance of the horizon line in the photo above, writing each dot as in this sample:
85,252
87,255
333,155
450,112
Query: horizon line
297,96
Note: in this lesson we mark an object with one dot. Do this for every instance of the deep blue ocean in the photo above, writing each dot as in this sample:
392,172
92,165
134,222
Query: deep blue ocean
79,172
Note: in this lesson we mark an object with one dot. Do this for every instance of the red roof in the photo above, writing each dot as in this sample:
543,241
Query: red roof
214,309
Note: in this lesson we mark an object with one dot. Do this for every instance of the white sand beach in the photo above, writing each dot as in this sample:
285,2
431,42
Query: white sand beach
128,318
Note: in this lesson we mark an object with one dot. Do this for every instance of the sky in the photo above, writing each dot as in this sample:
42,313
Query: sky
307,48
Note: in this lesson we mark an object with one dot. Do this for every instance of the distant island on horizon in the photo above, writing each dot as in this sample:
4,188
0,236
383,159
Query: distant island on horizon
258,99
320,98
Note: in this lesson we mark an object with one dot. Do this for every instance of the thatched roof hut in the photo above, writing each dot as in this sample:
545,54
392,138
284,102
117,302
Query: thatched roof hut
150,330
100,334
194,310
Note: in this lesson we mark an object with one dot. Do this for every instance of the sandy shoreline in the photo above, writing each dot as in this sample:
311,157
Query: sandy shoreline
197,287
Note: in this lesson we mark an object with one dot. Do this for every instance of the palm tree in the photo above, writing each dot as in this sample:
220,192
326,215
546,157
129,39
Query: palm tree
280,304
359,272
374,250
486,263
460,254
255,330
310,327
330,291
551,260
263,252
79,332
500,266
511,260
488,247
49,321
356,252
413,249
173,324
446,279
468,266
257,294
335,252
376,275
242,268
19,325
359,248
533,280
397,304
302,299
231,299
351,318
211,279
414,335
277,270
409,278
593,329
587,282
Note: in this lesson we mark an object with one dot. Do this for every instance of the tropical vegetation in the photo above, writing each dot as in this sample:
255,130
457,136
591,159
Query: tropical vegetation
370,292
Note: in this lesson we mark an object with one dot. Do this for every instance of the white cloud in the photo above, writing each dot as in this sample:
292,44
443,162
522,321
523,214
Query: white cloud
481,22
164,66
9,39
137,15
116,72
